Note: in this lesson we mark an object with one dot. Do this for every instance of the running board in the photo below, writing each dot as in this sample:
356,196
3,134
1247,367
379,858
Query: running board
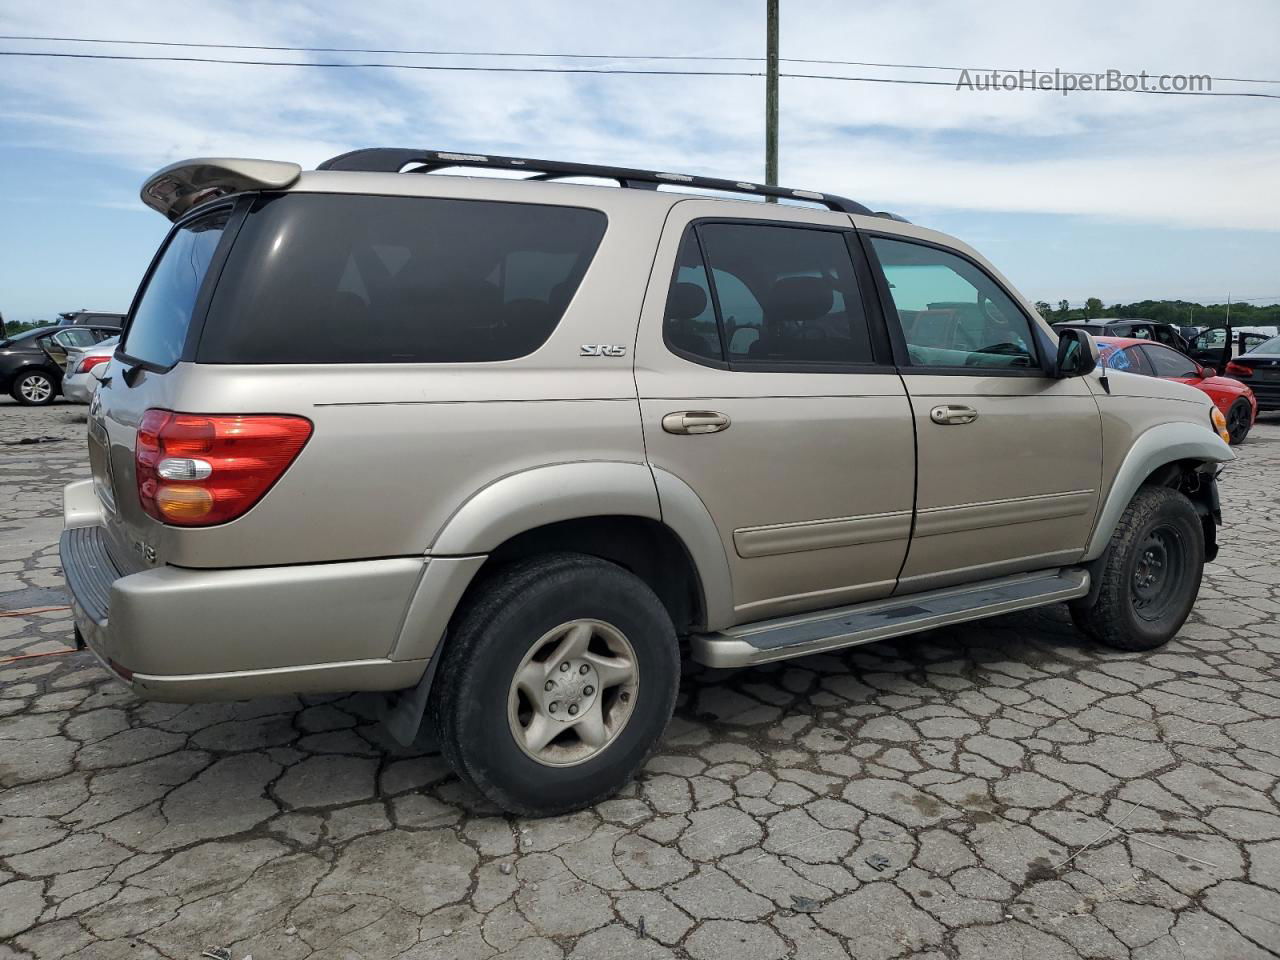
803,634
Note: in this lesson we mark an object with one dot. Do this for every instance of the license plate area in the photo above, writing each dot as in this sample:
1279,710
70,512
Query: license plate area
100,463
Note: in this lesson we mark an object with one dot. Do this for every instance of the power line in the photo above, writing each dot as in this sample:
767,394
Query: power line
932,66
601,71
554,56
395,66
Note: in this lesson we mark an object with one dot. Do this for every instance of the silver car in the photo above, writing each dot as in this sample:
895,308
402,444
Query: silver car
508,450
85,369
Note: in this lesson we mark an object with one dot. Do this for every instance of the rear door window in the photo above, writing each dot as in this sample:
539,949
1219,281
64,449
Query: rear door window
159,327
689,323
328,278
786,295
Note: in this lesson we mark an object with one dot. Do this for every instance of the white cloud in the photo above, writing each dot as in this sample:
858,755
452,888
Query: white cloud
1160,160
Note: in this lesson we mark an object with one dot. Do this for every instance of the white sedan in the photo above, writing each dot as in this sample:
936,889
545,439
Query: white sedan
86,366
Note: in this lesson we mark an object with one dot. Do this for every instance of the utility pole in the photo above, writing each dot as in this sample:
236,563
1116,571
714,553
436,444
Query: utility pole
1228,350
771,98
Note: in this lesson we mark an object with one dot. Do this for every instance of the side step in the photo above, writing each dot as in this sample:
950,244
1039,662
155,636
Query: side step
797,636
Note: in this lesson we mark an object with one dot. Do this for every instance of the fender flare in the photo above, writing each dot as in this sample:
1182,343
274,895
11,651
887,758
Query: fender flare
1162,444
542,495
507,507
567,491
533,498
689,519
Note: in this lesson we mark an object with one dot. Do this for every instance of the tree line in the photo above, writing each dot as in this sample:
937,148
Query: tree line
1181,312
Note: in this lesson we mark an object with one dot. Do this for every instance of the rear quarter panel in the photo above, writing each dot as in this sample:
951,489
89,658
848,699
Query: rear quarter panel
395,453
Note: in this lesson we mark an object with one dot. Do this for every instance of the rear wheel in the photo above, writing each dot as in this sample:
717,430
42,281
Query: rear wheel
1239,420
557,683
34,388
1150,574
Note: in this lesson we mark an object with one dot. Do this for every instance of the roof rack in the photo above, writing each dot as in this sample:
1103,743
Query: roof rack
395,159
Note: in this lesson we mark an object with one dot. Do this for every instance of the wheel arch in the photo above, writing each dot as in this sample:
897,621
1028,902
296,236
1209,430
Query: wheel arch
1169,454
605,509
53,375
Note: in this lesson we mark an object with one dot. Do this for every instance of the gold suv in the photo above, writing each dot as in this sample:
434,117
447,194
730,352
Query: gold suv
506,449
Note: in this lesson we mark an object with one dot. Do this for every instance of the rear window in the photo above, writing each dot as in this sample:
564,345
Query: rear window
159,327
318,278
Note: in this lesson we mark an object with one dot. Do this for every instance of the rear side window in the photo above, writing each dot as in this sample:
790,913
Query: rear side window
1170,363
786,295
317,278
159,327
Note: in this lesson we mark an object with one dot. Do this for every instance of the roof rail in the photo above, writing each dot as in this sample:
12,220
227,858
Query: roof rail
395,159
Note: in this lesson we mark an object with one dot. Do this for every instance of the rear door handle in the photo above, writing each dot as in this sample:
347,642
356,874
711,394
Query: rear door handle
695,421
952,413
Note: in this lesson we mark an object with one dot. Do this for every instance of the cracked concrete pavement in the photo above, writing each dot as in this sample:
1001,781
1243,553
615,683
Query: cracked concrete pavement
1002,790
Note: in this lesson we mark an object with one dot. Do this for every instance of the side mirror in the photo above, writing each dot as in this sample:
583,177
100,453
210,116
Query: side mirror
1077,354
1207,372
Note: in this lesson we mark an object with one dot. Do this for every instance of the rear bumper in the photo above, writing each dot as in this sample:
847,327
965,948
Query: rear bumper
196,635
1268,395
79,387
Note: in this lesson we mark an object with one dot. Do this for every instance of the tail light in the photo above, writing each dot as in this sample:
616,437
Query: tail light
88,363
195,470
1238,369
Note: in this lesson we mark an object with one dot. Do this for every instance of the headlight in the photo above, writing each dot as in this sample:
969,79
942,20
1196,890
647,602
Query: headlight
1220,424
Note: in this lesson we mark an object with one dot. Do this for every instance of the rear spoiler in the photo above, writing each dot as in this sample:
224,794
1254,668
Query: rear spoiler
188,183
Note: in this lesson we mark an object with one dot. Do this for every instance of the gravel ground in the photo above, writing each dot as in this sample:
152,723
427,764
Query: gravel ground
1002,790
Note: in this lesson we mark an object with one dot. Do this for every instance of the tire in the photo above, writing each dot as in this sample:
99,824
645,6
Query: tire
1150,574
34,388
1239,420
489,723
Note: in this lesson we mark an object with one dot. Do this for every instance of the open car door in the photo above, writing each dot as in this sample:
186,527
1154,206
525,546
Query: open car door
1215,346
57,344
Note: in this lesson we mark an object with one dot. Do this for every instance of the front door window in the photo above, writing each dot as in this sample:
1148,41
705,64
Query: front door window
951,313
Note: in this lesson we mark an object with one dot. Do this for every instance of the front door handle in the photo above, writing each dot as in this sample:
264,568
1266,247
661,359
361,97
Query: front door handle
695,421
952,413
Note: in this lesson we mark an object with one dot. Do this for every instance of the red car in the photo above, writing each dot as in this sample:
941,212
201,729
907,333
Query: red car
1233,398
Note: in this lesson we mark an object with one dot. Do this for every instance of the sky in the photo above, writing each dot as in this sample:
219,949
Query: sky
1115,195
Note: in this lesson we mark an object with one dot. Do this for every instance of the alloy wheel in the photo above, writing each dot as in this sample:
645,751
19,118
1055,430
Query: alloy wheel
36,388
1238,422
573,693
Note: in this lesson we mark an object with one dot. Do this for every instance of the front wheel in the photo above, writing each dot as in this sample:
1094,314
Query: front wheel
556,684
1239,420
34,389
1150,574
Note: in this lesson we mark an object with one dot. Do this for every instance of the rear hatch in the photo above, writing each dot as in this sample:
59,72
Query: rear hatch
353,323
146,375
